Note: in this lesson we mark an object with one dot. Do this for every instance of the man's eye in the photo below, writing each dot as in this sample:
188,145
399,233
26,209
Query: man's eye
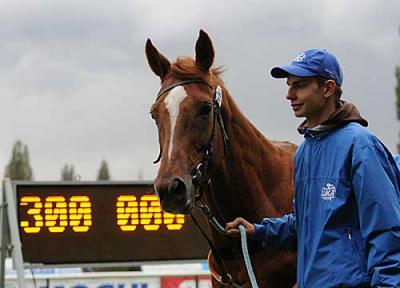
301,84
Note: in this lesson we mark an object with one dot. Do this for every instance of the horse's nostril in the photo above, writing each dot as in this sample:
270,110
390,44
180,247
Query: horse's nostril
173,195
176,187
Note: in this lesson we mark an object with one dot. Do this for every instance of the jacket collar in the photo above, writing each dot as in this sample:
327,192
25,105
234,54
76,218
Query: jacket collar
346,113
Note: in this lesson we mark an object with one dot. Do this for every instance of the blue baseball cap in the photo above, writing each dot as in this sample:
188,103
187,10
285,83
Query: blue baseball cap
313,62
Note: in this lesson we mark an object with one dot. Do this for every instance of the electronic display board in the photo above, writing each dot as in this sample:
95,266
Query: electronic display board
89,222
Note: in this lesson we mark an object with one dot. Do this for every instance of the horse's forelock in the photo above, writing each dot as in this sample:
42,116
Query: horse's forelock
186,68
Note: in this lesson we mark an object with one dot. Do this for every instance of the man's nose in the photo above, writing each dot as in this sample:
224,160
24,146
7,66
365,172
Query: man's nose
290,94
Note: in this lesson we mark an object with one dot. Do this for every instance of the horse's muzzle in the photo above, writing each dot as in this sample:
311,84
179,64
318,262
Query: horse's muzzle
175,195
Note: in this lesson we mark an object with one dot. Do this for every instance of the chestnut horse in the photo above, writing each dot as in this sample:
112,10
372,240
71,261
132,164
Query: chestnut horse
248,175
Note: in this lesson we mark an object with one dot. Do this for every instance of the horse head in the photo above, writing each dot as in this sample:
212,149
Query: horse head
188,112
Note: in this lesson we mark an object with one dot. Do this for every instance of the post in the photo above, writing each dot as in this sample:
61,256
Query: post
16,252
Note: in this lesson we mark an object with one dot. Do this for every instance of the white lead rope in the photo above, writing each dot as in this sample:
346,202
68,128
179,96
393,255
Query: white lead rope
246,257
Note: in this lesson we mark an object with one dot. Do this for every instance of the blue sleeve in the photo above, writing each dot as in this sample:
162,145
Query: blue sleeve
375,180
278,233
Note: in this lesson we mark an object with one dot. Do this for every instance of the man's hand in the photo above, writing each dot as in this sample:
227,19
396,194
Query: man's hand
232,228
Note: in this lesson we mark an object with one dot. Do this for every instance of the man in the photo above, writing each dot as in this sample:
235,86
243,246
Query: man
346,220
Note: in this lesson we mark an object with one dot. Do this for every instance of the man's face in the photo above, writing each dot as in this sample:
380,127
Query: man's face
306,98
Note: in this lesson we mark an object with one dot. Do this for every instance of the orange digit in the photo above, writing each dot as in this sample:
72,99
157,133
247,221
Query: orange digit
55,214
173,221
150,213
127,212
35,211
80,213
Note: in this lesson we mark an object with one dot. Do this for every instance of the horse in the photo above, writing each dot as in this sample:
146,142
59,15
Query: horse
210,151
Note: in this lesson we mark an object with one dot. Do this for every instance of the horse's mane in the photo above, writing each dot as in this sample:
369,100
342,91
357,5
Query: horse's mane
186,68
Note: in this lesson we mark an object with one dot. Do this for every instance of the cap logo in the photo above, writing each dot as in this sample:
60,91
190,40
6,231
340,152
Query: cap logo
300,57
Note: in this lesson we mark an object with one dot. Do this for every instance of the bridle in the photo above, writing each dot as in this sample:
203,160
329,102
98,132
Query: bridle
217,102
200,176
202,181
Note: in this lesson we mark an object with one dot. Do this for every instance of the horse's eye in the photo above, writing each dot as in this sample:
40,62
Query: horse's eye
205,109
153,115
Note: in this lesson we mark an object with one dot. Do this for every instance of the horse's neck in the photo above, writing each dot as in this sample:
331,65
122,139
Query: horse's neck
255,175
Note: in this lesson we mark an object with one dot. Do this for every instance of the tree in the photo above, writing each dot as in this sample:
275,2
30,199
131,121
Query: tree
103,173
398,98
19,166
68,173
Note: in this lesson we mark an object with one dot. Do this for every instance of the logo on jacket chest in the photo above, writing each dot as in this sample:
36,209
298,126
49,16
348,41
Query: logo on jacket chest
328,192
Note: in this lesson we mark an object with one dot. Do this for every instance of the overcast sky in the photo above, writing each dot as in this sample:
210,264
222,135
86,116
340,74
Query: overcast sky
75,85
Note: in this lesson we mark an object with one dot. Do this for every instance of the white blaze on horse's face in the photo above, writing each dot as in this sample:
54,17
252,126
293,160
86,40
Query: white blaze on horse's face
172,102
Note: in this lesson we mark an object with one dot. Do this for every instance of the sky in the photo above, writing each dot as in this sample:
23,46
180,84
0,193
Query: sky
76,87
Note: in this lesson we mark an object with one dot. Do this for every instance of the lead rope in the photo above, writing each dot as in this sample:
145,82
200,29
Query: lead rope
246,257
225,278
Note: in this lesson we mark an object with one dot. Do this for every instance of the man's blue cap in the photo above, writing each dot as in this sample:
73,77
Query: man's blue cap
313,62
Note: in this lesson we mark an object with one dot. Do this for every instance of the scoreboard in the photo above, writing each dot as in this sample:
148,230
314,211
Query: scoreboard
101,222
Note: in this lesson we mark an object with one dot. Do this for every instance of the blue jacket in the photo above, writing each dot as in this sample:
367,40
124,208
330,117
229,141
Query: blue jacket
346,224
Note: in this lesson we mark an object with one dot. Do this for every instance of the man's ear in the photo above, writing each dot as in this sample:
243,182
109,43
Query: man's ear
330,87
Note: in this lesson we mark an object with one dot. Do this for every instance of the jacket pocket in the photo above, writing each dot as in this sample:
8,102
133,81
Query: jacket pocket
355,239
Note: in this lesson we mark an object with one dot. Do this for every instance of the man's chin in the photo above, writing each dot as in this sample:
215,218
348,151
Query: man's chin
298,114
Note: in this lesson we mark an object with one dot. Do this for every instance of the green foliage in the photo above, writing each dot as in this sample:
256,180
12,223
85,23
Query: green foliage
103,173
19,166
68,173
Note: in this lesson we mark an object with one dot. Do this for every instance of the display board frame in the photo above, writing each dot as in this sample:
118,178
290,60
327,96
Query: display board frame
17,243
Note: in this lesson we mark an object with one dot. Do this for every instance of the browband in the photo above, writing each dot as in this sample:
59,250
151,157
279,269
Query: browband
179,83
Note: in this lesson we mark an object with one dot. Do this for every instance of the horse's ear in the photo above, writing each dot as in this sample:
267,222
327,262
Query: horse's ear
204,51
158,63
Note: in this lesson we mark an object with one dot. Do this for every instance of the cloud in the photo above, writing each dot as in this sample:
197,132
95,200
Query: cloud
76,87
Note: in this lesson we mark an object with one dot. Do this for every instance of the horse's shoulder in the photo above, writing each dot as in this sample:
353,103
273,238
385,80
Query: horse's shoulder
285,145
